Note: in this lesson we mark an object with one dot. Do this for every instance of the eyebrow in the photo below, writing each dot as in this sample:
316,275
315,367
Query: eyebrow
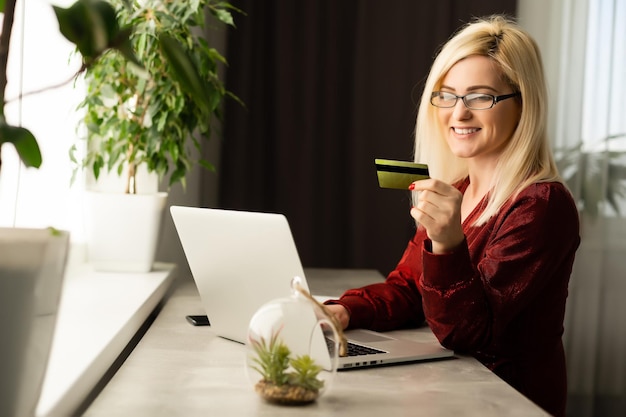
472,88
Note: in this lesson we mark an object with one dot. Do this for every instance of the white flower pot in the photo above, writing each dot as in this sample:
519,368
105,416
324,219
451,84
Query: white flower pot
32,267
122,230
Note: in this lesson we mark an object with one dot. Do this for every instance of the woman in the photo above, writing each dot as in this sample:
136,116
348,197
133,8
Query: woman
489,265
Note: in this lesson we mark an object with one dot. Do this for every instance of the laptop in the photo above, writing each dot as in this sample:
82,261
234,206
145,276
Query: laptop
241,260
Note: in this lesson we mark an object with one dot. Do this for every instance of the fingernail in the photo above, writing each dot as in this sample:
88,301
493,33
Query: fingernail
412,186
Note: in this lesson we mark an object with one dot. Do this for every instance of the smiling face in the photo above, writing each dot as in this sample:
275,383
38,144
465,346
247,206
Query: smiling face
478,135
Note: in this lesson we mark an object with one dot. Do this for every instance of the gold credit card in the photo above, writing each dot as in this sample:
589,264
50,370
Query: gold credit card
399,174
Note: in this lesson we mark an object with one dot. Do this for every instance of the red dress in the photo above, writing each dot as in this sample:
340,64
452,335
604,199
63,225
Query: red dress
499,297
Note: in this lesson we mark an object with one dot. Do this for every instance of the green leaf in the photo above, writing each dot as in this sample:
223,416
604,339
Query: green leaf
103,12
184,70
122,43
72,154
221,11
207,165
98,163
215,55
174,151
73,26
81,25
25,144
225,16
54,232
178,176
28,149
93,27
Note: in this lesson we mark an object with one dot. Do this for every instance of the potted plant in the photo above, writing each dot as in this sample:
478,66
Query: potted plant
92,26
293,348
32,261
151,118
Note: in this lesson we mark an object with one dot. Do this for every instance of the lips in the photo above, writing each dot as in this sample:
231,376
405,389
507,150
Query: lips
465,131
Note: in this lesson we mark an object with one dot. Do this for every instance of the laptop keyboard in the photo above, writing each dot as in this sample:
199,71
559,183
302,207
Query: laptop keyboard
354,349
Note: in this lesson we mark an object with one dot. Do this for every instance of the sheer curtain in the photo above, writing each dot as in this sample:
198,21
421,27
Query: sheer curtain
591,146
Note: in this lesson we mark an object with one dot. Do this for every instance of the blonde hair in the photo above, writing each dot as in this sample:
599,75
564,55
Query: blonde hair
527,158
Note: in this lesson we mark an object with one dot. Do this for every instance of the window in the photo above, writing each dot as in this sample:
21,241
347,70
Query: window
39,58
604,96
591,103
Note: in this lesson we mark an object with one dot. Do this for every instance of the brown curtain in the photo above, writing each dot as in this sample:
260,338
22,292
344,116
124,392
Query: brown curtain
329,86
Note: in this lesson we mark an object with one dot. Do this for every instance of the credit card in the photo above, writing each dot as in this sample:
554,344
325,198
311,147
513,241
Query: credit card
399,174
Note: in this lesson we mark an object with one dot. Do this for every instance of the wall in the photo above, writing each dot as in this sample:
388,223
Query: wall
542,20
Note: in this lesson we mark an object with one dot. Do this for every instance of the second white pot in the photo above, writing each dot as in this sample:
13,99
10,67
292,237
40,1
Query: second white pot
32,269
122,230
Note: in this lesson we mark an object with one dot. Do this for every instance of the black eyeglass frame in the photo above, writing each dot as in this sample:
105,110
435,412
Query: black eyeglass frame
495,99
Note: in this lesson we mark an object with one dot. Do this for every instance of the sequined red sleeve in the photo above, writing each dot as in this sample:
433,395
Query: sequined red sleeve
508,279
390,305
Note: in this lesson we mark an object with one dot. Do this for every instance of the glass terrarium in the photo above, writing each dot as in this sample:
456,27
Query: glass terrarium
293,346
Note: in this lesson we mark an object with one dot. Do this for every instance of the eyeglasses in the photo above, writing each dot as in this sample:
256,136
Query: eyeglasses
473,101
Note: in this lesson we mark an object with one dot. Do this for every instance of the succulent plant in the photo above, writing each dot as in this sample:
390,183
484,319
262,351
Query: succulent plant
285,380
272,359
305,373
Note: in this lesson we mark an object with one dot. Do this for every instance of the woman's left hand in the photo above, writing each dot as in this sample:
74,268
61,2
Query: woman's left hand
438,210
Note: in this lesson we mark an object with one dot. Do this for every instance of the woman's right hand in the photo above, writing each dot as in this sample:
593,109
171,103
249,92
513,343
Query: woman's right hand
340,313
438,209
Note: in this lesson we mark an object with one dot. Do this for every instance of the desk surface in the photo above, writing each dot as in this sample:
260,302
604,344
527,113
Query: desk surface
181,370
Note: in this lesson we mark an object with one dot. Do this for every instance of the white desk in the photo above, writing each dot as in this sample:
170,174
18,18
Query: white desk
181,370
98,316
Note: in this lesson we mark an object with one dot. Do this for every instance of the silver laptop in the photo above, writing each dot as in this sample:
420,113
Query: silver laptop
241,260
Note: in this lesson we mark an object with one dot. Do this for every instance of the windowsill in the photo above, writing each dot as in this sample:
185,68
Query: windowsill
99,314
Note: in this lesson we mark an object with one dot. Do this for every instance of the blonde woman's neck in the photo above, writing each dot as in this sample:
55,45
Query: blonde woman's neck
480,183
